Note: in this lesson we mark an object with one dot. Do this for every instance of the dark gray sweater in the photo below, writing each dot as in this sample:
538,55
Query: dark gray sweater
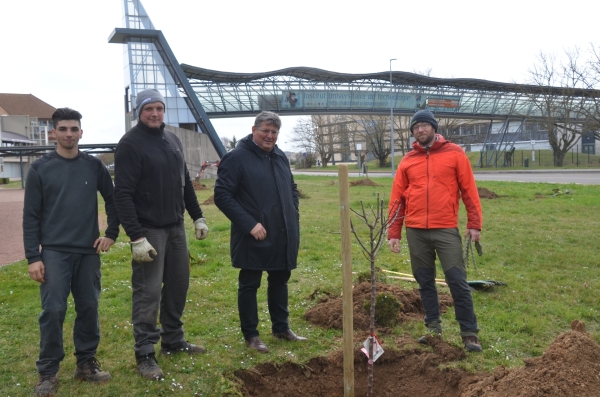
61,205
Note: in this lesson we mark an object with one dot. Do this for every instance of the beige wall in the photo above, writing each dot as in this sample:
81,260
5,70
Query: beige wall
197,149
16,124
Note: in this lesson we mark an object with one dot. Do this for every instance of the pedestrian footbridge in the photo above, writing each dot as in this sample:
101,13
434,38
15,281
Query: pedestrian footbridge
195,95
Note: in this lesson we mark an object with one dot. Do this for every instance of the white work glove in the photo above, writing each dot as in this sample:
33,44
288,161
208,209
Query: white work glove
141,251
201,228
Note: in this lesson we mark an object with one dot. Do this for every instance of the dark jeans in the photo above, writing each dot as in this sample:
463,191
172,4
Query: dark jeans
160,284
423,245
277,298
66,273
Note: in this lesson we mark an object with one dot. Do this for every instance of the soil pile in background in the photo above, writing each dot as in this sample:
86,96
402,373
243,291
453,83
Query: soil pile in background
363,182
210,200
486,193
199,186
570,367
328,312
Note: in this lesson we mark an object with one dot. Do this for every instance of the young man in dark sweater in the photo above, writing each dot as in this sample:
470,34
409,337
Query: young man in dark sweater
153,188
60,214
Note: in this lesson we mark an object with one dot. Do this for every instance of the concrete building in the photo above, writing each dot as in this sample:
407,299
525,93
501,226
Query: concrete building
25,120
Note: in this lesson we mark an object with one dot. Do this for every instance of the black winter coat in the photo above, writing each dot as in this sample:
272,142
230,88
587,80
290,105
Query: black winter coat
254,186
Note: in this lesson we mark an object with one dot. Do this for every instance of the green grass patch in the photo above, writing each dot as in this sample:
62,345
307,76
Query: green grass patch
544,247
544,159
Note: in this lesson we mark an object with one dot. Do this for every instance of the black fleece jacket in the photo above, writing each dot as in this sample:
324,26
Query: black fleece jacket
152,183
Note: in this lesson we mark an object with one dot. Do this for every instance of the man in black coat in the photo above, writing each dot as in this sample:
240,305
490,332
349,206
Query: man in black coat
255,189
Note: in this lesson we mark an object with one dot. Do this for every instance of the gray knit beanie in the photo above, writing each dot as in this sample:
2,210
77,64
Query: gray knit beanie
423,116
147,96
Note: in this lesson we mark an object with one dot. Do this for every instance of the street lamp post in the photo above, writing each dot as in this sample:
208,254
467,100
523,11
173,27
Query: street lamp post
392,119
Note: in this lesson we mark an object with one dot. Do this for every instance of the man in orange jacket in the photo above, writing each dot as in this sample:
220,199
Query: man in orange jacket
426,190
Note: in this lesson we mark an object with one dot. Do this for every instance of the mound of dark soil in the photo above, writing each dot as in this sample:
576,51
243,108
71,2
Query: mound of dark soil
363,182
199,186
210,200
486,193
328,312
570,367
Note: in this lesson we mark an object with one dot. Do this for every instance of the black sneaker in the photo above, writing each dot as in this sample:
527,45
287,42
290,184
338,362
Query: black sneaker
46,385
90,371
186,347
148,367
472,343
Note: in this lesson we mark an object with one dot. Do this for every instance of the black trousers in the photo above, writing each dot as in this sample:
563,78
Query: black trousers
277,298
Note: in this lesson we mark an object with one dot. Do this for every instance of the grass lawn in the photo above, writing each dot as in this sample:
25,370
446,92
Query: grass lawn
544,246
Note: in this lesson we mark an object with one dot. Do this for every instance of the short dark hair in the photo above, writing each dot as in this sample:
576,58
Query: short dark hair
66,114
269,118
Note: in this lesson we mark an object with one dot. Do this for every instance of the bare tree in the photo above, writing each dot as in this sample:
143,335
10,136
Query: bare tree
232,144
226,142
591,75
559,111
229,143
304,139
326,130
377,221
402,133
375,131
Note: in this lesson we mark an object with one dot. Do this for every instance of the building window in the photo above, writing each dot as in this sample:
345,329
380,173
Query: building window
588,148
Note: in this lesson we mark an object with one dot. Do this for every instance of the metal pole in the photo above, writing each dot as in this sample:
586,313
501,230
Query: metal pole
392,119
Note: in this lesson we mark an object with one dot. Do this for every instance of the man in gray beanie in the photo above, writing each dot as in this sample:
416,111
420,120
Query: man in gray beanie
153,188
430,180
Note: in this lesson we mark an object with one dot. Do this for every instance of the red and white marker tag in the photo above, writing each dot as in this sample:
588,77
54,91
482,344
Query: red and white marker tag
377,349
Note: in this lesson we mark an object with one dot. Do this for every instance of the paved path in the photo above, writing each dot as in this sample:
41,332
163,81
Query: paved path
11,227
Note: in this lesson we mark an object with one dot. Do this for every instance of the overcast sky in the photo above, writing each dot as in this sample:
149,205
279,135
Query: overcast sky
59,52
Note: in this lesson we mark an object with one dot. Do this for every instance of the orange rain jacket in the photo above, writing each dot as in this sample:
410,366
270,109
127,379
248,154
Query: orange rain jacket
428,185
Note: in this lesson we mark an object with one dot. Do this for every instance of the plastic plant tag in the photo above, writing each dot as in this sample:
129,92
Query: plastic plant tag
377,349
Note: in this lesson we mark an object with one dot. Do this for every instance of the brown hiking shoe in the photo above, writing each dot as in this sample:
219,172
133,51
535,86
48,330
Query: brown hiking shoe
148,367
472,343
90,371
186,347
46,385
